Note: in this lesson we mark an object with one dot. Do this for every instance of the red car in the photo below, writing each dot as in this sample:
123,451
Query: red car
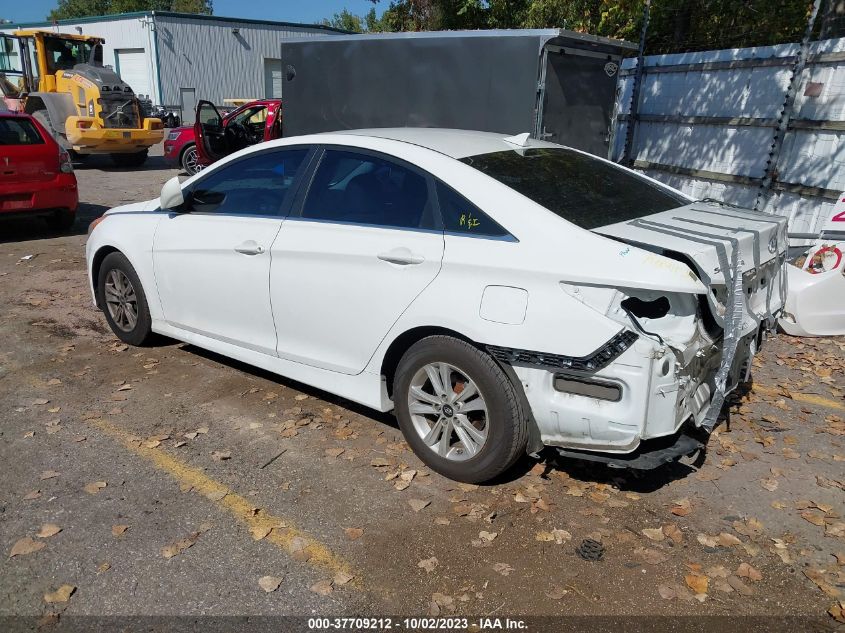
36,175
251,123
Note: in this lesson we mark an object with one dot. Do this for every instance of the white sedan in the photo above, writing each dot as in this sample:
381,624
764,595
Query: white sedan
498,293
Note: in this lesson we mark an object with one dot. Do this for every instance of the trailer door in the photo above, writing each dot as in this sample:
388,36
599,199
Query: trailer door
578,101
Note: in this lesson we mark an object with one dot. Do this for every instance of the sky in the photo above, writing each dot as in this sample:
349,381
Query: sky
308,11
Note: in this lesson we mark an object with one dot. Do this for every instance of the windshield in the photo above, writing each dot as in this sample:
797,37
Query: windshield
64,54
575,186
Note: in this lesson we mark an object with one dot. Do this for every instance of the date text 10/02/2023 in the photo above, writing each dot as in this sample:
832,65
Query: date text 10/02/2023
417,624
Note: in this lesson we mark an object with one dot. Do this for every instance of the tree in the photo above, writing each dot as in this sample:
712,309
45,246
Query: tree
346,21
69,9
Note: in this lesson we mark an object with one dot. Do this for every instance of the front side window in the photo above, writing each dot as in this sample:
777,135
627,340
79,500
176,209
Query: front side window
257,185
576,187
14,131
364,189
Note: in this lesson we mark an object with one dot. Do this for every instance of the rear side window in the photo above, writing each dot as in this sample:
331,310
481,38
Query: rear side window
462,216
19,132
257,185
577,187
358,188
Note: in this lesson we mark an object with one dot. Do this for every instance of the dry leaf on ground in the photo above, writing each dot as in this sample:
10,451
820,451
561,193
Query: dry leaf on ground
418,504
118,530
48,530
353,534
269,583
503,568
49,474
429,564
169,551
342,577
26,545
697,582
322,587
62,594
95,487
557,592
747,571
655,534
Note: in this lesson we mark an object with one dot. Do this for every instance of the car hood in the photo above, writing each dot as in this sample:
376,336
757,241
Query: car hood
706,235
135,207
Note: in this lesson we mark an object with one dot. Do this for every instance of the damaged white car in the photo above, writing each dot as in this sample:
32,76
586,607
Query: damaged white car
498,293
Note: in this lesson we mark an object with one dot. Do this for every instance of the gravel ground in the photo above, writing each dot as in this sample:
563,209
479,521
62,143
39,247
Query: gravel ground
178,479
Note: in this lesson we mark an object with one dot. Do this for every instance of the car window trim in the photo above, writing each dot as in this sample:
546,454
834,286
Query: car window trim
318,159
286,207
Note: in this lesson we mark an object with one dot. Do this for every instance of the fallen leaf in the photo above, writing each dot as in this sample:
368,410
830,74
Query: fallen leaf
707,541
94,487
681,508
26,545
655,534
269,583
29,496
740,587
418,504
48,530
260,531
727,540
487,536
429,564
815,518
557,592
103,567
169,551
322,587
334,452
747,571
221,455
666,592
354,534
342,577
837,611
650,556
769,484
49,474
62,594
673,532
503,568
697,583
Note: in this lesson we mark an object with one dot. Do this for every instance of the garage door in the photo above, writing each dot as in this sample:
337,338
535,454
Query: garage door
272,78
131,65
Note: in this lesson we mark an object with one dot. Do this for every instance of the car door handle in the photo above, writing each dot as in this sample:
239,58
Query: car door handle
249,248
401,256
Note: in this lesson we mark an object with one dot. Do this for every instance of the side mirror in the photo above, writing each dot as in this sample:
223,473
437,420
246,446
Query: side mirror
171,195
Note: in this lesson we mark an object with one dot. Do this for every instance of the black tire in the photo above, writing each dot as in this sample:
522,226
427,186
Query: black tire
141,333
61,219
43,117
190,167
135,159
507,422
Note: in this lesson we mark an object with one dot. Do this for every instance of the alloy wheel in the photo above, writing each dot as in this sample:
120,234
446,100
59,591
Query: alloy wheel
190,161
121,301
448,411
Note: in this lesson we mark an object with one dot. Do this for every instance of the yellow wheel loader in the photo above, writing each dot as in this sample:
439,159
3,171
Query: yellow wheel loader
87,107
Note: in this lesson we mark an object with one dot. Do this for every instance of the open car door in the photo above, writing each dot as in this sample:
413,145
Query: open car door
210,133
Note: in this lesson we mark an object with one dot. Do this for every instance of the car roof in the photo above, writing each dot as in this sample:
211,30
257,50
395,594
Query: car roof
454,143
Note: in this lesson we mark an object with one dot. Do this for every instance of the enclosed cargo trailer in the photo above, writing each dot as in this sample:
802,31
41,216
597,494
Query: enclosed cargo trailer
557,85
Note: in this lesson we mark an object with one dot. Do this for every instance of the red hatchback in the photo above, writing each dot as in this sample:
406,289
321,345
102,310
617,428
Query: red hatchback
36,175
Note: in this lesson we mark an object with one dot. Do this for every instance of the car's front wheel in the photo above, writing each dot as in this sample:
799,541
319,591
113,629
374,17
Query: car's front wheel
122,299
458,410
190,160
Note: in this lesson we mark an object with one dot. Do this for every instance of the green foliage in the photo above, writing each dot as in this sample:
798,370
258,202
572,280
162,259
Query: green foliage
346,21
676,25
69,9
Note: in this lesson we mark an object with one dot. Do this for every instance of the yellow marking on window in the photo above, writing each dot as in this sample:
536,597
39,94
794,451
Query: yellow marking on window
283,532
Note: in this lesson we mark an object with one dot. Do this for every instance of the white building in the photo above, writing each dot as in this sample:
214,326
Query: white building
179,58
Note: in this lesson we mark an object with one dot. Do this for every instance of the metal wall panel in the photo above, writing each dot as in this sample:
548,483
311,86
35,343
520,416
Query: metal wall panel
755,90
219,63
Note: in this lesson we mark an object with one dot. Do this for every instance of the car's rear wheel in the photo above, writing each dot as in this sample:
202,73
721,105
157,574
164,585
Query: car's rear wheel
190,160
61,219
458,410
135,159
122,299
